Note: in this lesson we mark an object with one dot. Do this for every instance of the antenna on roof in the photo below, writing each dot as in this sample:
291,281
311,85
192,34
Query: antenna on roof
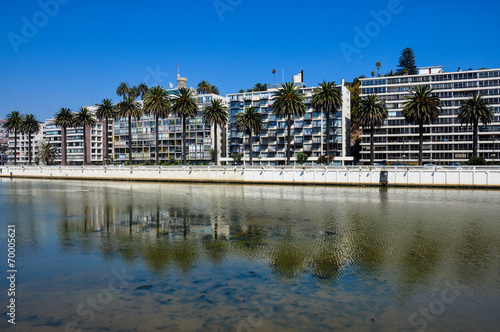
178,68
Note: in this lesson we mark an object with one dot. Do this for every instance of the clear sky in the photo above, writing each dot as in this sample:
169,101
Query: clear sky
76,53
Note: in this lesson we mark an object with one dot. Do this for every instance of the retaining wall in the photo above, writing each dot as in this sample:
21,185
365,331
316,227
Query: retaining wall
365,176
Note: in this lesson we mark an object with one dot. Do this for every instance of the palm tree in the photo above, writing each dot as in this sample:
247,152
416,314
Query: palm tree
213,89
371,113
260,87
64,119
251,122
83,119
215,114
123,90
13,123
378,65
373,73
203,87
327,99
274,75
130,108
184,105
142,88
157,102
47,153
421,107
106,110
30,126
288,102
473,110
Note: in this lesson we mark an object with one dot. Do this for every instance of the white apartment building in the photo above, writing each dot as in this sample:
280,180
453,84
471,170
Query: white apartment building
308,132
21,154
445,141
200,138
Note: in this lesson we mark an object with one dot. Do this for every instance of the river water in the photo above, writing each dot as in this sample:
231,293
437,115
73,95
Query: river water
119,256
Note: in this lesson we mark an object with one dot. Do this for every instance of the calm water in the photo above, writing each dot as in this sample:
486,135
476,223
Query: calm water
181,257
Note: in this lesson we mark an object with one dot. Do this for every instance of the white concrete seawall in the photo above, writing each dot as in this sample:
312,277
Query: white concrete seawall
485,177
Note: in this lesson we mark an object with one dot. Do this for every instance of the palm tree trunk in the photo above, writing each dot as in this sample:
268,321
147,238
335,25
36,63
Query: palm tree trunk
130,140
157,154
289,138
184,146
250,146
328,134
15,146
372,145
474,140
63,146
106,142
215,145
84,147
421,144
29,147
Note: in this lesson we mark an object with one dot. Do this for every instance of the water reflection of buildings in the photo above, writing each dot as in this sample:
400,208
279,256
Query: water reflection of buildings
297,232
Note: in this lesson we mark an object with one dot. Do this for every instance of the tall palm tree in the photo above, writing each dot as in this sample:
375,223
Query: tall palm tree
123,90
130,108
47,153
64,119
378,65
105,111
157,102
203,87
288,102
184,105
327,99
274,75
251,122
142,88
371,113
421,107
13,123
473,110
215,114
30,126
84,119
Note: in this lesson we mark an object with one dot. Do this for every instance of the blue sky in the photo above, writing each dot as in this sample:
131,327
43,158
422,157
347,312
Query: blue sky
79,51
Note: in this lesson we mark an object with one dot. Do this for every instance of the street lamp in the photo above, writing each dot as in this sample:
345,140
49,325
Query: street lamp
404,156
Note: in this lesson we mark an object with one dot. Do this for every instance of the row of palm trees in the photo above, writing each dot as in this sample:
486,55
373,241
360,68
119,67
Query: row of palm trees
159,103
205,87
422,107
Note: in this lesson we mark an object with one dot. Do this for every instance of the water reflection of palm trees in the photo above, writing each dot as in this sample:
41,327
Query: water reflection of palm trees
175,233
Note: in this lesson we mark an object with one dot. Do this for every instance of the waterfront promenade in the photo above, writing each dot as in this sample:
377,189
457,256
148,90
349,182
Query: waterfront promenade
411,176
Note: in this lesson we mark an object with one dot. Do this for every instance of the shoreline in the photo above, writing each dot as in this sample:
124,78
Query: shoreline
487,177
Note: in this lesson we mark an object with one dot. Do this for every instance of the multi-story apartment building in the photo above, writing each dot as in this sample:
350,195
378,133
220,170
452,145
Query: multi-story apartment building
445,141
4,143
74,141
308,132
21,154
200,137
